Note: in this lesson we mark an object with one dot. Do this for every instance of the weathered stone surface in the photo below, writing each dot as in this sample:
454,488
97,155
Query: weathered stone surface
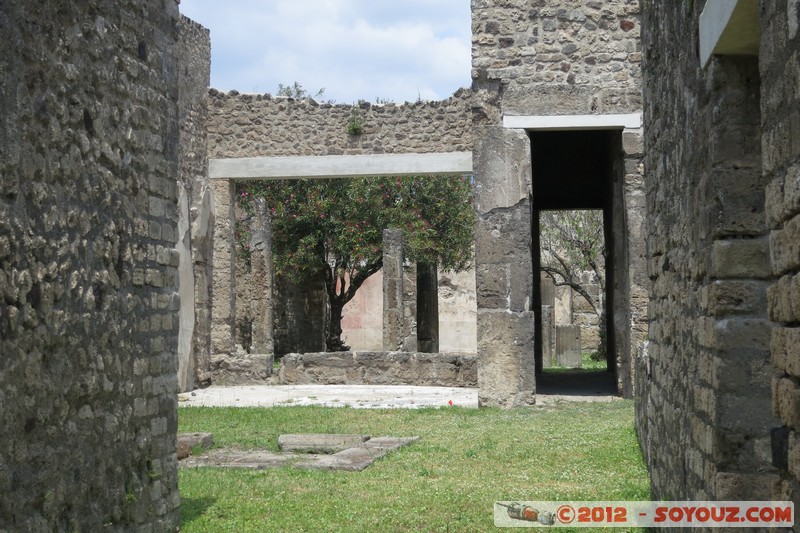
319,442
223,302
353,459
568,346
188,442
240,368
261,296
506,378
545,59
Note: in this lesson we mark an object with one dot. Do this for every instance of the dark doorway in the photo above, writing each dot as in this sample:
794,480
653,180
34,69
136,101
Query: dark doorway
580,170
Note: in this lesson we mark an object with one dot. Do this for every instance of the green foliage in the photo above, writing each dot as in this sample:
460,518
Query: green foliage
335,227
298,91
355,124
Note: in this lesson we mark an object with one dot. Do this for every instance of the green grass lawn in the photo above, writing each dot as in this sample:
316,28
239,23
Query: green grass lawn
448,481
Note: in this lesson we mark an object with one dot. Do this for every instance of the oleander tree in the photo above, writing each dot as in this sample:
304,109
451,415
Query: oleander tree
334,228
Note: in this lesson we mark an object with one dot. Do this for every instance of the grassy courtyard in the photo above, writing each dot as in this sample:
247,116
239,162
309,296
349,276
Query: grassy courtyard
465,460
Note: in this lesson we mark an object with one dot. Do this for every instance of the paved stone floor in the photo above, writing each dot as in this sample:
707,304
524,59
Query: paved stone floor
358,396
566,386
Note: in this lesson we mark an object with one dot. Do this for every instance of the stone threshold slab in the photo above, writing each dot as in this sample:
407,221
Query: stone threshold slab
353,459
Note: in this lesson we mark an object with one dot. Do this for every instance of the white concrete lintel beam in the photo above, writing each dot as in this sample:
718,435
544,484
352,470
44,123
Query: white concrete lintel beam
573,122
729,27
341,166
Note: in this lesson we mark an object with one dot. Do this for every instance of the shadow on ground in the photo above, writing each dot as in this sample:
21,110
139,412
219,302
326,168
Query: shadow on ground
576,382
194,508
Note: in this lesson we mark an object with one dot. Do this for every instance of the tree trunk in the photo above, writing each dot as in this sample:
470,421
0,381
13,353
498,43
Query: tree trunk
333,339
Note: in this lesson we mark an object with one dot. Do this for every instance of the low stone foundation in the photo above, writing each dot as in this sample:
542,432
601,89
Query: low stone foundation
380,368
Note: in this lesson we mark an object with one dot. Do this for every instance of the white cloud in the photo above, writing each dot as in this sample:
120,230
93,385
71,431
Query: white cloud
354,48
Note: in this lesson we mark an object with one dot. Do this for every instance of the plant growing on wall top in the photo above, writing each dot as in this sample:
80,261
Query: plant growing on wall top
355,124
335,228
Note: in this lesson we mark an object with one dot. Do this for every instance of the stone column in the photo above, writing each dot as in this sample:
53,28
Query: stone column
568,346
409,307
548,297
427,308
262,275
186,361
504,266
223,294
547,336
393,307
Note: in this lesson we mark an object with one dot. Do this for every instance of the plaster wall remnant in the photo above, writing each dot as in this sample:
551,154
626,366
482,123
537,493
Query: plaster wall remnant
717,384
194,49
537,60
362,322
89,157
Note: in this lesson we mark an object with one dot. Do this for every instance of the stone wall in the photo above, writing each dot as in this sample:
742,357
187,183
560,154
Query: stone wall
716,136
88,267
251,125
380,368
547,57
779,66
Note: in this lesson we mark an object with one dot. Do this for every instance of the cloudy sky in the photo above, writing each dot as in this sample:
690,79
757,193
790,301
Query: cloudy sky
399,50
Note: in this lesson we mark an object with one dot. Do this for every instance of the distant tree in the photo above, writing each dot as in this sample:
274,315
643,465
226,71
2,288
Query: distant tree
335,228
572,242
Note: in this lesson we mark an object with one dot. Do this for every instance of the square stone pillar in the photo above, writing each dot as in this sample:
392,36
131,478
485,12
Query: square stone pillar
262,274
427,308
568,346
547,336
393,307
223,293
186,320
504,271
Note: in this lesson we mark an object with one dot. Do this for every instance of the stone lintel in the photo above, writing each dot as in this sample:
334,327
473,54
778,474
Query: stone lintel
729,27
341,166
573,122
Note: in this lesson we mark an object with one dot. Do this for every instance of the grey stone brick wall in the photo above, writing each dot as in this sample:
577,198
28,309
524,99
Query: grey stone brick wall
780,147
714,160
88,268
546,57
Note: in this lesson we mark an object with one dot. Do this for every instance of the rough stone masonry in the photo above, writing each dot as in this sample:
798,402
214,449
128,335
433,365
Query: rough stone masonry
717,389
88,268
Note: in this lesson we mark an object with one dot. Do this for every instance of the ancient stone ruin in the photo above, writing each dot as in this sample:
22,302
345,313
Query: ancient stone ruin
678,119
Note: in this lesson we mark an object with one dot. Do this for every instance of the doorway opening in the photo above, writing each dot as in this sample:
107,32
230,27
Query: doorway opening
579,251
